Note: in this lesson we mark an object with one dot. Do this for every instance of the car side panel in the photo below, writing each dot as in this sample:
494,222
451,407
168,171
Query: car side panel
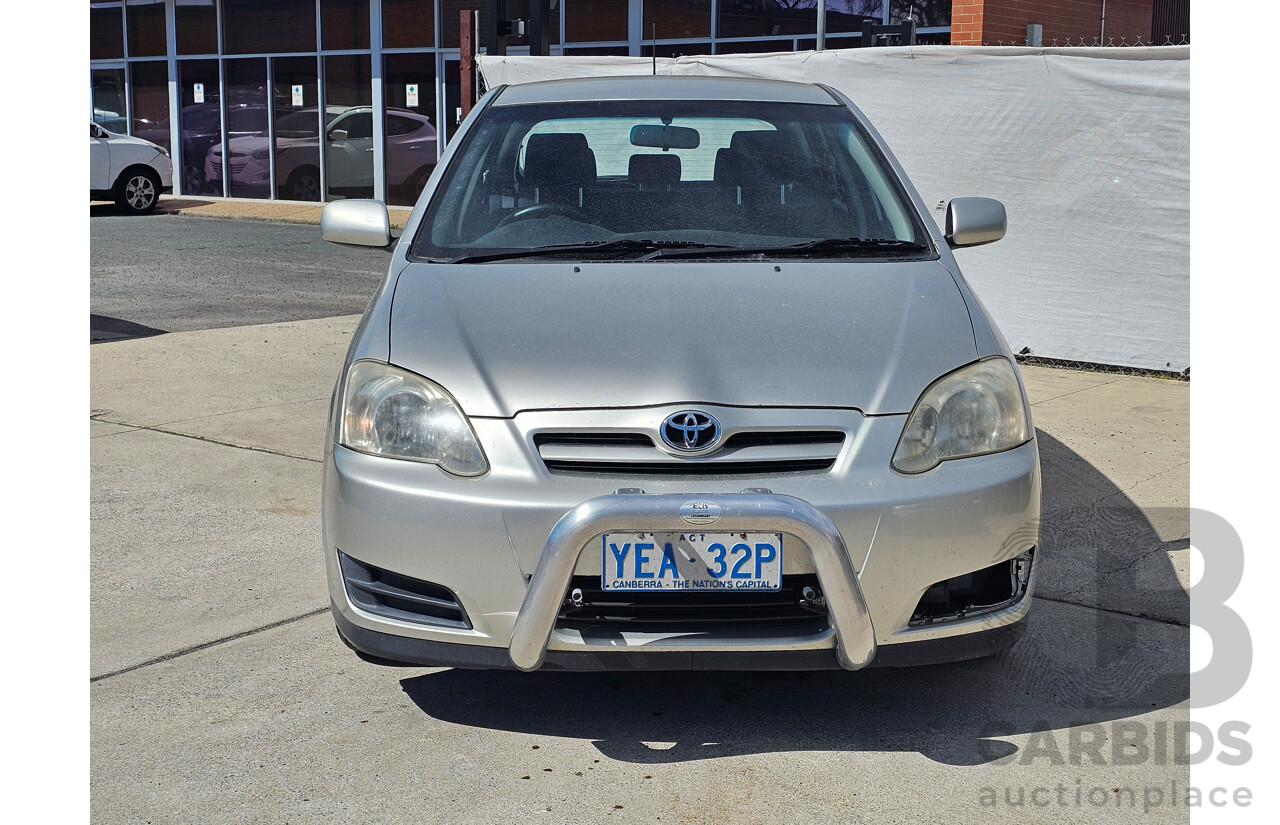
100,176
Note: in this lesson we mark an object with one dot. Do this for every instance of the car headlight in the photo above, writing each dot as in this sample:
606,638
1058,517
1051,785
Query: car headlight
391,412
973,411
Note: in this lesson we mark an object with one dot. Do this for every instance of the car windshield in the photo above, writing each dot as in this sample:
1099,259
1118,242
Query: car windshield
643,179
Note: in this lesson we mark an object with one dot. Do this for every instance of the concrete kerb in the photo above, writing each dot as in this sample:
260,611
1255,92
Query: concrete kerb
284,211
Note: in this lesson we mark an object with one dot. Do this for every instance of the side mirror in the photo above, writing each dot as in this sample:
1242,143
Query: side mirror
974,221
357,222
338,136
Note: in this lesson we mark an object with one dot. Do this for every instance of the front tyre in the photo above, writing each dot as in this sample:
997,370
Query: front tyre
192,179
303,185
137,191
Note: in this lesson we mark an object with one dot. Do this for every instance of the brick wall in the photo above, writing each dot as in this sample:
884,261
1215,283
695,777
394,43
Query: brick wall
990,22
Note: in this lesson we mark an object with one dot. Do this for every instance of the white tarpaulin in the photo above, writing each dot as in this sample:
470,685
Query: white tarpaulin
1088,148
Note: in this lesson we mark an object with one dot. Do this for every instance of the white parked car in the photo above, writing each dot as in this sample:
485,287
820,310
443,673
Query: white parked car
129,170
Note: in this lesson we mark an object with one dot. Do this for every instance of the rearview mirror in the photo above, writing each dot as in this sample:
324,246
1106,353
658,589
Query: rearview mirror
358,222
974,221
665,137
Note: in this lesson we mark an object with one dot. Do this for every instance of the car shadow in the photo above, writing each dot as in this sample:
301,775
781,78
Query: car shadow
104,328
1078,665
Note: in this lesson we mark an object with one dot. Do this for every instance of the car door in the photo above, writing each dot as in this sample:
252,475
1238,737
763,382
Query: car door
351,153
411,145
99,158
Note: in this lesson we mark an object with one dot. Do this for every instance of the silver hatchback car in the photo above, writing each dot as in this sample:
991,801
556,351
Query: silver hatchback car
676,373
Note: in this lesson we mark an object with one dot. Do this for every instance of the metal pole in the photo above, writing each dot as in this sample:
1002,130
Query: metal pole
175,99
822,24
378,99
635,28
271,127
222,139
322,106
467,59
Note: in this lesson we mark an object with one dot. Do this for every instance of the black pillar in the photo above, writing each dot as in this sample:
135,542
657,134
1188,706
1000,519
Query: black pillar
540,27
497,39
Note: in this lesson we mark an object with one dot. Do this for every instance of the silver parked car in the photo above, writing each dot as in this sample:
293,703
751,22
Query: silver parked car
676,373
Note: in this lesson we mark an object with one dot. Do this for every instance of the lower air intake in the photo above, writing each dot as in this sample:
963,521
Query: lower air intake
388,594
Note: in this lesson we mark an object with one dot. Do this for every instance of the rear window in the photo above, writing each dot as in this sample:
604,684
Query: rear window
722,173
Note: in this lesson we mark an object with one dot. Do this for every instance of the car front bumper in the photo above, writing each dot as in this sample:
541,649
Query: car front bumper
506,545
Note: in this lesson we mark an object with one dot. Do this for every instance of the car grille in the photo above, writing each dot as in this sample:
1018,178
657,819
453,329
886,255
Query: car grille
236,168
743,453
683,610
388,594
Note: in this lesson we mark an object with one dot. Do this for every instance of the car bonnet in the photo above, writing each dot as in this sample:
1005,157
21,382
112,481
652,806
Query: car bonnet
508,337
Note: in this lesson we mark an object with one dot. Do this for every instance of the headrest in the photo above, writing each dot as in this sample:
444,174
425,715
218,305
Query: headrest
553,160
754,159
654,170
768,142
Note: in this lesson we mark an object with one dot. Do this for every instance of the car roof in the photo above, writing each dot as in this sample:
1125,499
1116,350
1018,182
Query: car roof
645,87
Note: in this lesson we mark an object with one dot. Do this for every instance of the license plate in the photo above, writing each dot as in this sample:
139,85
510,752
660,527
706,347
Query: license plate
691,561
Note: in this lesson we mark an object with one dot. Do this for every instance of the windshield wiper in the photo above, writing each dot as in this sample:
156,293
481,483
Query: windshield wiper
821,246
620,246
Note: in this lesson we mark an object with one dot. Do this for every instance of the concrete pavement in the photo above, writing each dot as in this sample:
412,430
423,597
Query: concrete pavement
220,692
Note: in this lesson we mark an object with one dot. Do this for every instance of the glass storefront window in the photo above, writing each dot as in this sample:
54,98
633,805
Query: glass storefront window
516,10
592,21
770,18
753,46
847,15
519,10
677,49
150,92
344,24
108,99
449,28
348,141
410,95
676,18
924,12
409,24
148,32
196,23
269,26
123,30
106,29
452,97
248,158
622,50
200,127
297,127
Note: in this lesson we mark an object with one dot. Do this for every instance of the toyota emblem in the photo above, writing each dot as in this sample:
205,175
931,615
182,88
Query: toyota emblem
690,431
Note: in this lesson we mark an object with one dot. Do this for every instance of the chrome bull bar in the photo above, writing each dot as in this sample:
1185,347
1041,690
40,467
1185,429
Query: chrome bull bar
624,512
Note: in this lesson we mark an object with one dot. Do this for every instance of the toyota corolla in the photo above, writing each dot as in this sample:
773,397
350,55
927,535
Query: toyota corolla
676,373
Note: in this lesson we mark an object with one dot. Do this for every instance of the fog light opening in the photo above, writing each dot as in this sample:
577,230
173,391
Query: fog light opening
975,594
